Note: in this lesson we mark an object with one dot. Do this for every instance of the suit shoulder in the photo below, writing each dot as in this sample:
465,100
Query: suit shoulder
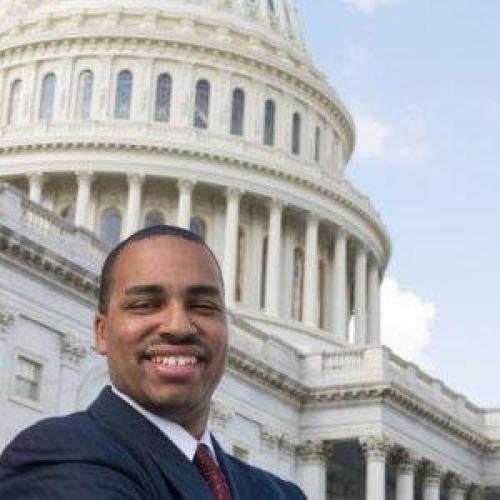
267,482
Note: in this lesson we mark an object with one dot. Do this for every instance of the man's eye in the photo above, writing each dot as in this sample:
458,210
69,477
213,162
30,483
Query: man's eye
205,306
141,305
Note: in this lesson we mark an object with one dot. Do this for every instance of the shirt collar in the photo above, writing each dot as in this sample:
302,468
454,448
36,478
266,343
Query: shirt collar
175,432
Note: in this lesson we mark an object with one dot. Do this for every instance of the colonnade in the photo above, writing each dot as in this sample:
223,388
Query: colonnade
366,306
412,472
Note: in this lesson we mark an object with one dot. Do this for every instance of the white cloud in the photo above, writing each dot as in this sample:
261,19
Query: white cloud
407,323
369,6
399,139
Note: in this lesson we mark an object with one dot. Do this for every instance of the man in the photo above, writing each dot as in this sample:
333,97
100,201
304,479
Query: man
162,325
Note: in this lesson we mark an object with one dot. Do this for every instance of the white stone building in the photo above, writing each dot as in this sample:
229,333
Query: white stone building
209,114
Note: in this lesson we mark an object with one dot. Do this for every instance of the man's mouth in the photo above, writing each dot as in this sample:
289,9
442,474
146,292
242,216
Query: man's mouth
175,360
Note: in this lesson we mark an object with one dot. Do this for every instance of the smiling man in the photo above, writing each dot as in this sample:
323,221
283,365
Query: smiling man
162,325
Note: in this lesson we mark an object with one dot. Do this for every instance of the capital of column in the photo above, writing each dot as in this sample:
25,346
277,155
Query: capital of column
314,450
84,176
312,219
135,179
275,204
432,472
220,414
375,447
7,319
233,193
186,185
72,351
456,483
35,177
405,460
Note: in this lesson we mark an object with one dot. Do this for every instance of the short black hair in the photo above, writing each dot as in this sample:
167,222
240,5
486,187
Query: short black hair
159,230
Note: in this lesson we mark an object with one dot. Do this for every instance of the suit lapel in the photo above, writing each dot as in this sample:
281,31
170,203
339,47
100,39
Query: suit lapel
131,428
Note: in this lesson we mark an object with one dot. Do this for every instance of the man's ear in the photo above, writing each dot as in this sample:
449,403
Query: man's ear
100,334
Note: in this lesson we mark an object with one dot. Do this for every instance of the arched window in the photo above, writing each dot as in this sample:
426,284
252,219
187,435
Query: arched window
154,218
47,97
296,125
321,294
239,265
14,102
237,112
317,145
68,213
163,96
202,104
85,90
123,97
111,226
263,273
271,7
269,122
198,226
297,283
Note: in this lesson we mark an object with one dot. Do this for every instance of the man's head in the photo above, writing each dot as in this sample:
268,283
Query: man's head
162,323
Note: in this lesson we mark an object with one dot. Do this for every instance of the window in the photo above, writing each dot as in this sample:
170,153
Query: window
198,226
239,265
271,7
263,273
85,90
296,124
202,104
317,145
28,379
47,97
111,226
163,96
269,122
123,96
237,112
68,213
297,283
14,102
154,218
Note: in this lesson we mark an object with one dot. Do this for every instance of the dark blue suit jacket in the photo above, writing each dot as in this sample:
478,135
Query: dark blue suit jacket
111,452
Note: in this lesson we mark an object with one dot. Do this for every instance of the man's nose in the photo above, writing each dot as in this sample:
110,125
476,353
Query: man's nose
176,320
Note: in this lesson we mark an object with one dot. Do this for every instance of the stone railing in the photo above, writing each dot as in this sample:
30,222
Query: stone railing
35,223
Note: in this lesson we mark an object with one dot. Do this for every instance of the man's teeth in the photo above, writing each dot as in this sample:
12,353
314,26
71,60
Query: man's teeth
175,360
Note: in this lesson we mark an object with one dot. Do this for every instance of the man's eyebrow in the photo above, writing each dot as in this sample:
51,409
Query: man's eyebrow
203,290
145,290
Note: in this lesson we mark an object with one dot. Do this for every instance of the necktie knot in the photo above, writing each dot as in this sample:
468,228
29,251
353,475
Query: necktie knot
211,473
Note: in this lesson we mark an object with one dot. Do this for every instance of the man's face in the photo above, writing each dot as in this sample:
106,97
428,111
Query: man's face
165,330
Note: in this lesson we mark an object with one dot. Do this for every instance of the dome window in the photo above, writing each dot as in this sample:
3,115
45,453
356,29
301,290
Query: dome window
296,133
85,91
269,122
239,265
14,102
123,97
111,226
202,104
198,226
154,218
163,96
297,284
271,7
47,97
237,112
317,144
263,274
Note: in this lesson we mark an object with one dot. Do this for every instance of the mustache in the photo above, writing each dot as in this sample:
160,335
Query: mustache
176,339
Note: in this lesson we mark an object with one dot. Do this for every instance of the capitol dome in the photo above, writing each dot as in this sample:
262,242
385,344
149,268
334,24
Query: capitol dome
206,114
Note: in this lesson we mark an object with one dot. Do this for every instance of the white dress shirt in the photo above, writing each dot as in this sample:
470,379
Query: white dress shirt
175,432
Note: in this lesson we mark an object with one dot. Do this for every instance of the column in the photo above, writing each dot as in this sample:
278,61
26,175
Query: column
84,180
273,267
457,487
233,196
373,302
311,271
312,457
184,208
134,202
405,475
360,294
8,318
375,451
432,481
340,284
35,186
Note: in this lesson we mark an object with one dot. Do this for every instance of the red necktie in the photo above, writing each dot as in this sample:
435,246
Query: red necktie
211,473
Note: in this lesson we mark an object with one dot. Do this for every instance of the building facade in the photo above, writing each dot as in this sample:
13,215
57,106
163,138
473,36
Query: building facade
209,114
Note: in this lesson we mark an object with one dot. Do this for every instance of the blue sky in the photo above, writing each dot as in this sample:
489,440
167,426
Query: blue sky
422,79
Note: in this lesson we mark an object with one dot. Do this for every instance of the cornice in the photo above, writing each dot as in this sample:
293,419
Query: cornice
26,253
353,202
314,85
